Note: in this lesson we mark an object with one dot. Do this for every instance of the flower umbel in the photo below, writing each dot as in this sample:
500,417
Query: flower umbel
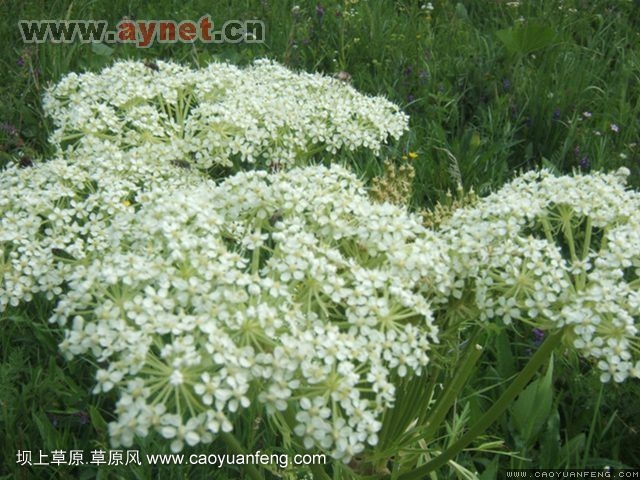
317,307
218,115
558,252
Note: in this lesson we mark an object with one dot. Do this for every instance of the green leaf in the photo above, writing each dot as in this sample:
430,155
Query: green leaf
47,431
97,420
532,408
549,442
461,11
528,151
572,450
491,470
505,361
62,254
525,39
546,163
101,49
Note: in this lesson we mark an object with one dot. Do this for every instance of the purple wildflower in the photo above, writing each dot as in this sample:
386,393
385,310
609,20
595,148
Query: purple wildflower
585,162
538,337
9,129
83,417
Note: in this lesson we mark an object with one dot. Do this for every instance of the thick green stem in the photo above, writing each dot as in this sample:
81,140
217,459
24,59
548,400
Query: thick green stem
541,356
454,386
318,472
235,446
255,261
568,235
546,225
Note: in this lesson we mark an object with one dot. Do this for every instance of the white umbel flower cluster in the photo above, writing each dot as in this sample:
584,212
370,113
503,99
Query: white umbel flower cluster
203,300
219,115
273,283
554,252
63,210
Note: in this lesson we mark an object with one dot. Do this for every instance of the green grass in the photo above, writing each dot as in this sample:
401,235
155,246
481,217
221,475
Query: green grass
491,90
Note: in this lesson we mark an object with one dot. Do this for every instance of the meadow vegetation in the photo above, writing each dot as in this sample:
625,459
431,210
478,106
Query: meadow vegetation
415,222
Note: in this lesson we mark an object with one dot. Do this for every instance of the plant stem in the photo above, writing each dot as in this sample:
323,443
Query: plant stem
546,225
519,383
454,386
582,278
592,430
235,446
318,472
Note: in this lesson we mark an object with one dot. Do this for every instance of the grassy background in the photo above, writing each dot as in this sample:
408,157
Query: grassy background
492,88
